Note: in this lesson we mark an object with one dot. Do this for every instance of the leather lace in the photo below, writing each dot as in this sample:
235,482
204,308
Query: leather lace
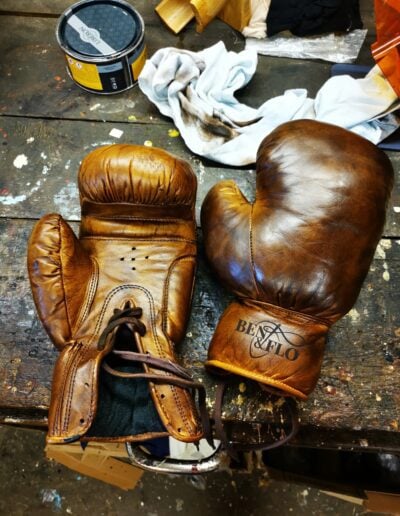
126,316
172,373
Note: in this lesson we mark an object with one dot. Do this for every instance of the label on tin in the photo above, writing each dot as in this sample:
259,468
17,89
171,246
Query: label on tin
85,74
114,77
90,35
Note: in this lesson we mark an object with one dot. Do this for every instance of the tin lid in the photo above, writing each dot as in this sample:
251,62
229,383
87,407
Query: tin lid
99,28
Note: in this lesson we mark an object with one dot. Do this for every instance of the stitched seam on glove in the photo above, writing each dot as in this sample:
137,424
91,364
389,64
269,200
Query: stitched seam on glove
164,309
140,219
164,312
138,237
80,358
182,411
71,366
58,415
62,278
293,314
89,295
72,382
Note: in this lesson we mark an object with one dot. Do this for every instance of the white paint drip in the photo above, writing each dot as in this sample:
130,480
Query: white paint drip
94,107
202,171
117,106
30,140
396,209
43,155
67,201
67,165
9,199
386,274
354,315
381,249
52,496
97,144
116,133
20,161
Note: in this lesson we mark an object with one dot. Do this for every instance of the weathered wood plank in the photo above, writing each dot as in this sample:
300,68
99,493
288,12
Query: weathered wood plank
53,150
39,6
145,7
356,402
56,7
357,392
34,81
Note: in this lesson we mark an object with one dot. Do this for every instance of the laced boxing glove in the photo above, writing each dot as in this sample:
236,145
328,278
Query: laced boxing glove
128,277
296,257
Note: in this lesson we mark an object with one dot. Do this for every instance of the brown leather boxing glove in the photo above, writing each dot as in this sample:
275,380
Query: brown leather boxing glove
297,256
120,291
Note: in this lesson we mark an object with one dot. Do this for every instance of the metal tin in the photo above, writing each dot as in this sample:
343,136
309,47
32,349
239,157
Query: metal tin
103,42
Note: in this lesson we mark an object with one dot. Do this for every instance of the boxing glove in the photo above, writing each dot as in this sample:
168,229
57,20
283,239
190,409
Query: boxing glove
127,278
297,256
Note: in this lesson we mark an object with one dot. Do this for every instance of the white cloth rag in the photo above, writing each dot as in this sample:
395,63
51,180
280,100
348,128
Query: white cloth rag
196,90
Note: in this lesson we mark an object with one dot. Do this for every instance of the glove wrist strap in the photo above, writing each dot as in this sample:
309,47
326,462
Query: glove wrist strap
270,345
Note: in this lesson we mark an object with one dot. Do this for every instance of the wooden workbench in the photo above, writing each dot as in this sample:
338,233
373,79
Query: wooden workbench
54,123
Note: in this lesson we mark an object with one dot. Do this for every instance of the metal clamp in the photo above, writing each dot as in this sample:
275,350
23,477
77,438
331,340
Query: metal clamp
147,462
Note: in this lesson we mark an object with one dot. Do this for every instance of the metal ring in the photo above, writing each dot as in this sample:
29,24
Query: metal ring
177,467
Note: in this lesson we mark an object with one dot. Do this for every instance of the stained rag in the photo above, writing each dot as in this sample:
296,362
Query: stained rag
197,90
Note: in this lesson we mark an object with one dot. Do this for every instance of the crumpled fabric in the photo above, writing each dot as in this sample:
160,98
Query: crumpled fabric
257,27
197,90
311,17
332,47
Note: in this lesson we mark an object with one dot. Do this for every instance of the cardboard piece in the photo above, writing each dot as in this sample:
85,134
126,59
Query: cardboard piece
374,501
345,497
205,11
237,14
382,502
176,14
97,460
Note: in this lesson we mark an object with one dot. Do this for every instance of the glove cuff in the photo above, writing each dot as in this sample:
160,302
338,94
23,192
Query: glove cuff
270,345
